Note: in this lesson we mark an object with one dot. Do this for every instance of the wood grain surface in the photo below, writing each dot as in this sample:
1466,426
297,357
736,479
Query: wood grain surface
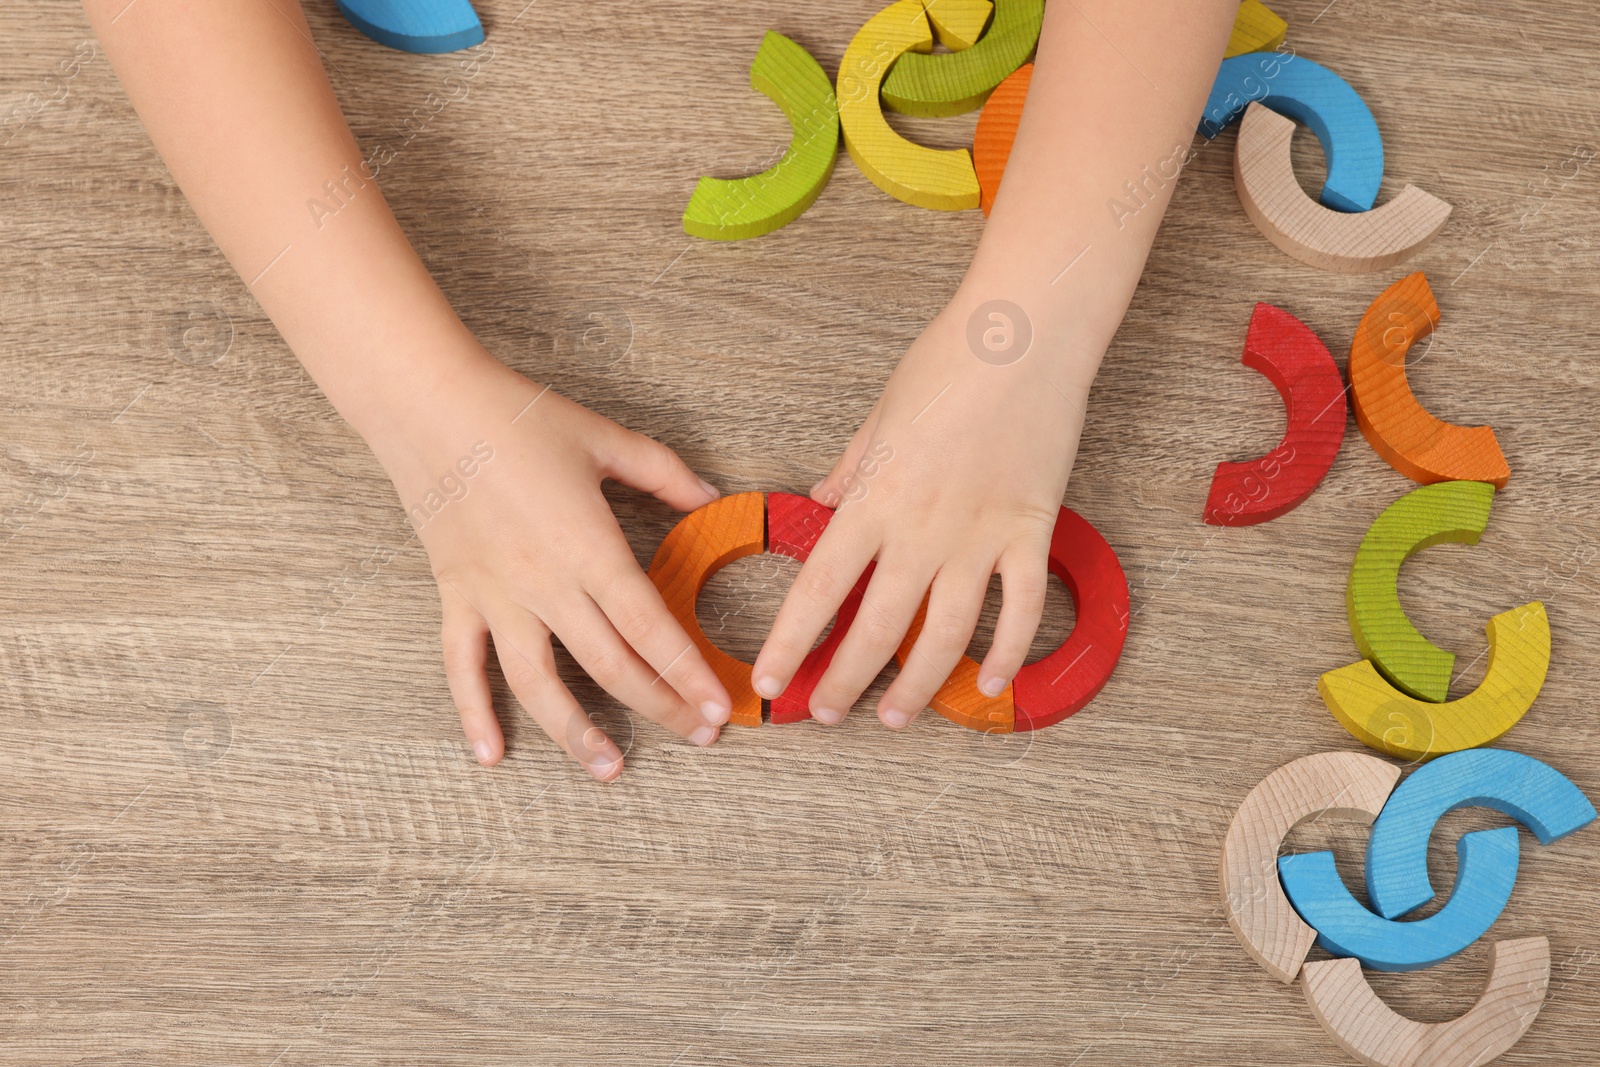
239,825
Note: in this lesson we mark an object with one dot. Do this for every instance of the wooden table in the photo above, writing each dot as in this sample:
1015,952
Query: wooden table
239,823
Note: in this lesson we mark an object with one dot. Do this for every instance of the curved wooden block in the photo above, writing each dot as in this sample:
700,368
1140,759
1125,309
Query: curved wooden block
1372,1032
722,210
1430,515
794,523
1300,365
953,84
997,128
926,177
1309,93
422,26
1341,784
1485,875
958,23
958,699
1255,29
1382,717
1409,439
704,541
1049,690
1534,793
1324,238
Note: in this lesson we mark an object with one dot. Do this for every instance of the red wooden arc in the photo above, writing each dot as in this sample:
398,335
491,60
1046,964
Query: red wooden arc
1299,364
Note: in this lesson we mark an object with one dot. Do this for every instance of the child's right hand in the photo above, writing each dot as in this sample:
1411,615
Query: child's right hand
502,480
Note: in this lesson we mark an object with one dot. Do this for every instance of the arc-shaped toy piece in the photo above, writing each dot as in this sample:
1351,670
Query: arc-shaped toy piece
1430,515
1380,716
1372,1032
953,84
1300,365
1324,238
1309,93
1530,791
1486,873
732,210
997,128
1410,440
704,541
958,23
1256,28
959,698
1341,784
941,179
423,26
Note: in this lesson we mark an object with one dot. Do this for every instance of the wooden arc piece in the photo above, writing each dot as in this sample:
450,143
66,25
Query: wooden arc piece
1413,442
704,541
732,210
1380,716
933,86
958,23
941,179
1368,1029
1342,784
1430,515
1330,240
1292,357
997,128
959,699
421,26
1256,28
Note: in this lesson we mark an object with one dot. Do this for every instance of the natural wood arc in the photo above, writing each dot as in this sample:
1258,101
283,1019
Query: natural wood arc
1374,1033
1346,243
1339,784
1412,441
705,541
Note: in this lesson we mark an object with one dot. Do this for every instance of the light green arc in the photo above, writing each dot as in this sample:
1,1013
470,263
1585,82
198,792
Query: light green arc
952,83
738,208
1430,515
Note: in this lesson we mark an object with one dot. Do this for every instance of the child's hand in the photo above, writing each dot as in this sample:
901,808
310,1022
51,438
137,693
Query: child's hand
502,479
957,474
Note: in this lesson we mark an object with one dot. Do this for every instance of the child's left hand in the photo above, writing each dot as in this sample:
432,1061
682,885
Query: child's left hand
957,474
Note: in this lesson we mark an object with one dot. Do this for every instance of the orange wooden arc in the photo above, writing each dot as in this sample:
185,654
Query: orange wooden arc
997,128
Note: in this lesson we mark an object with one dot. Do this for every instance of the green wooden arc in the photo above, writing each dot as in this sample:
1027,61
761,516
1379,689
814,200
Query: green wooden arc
952,83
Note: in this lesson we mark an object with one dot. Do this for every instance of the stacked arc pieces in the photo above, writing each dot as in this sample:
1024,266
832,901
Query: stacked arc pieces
1044,692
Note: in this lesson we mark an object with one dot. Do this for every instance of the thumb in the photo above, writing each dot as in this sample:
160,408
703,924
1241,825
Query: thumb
651,467
843,481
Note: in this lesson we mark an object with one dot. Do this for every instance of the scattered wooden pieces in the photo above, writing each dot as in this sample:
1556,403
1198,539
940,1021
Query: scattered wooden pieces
1310,93
926,177
958,23
1485,876
1530,791
1255,29
1340,784
958,82
732,210
1296,361
1060,684
1379,715
1327,239
1399,429
997,128
422,26
704,541
1368,1029
1429,515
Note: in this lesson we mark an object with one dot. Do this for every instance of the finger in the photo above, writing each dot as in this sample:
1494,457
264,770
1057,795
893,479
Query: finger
606,657
1023,577
887,609
834,488
464,637
651,467
522,644
824,581
953,607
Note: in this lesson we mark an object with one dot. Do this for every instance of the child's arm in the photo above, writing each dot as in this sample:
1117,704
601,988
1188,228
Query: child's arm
502,477
958,471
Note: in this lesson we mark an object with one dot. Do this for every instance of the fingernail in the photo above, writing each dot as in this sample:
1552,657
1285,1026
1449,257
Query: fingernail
894,717
603,769
827,715
768,687
484,751
711,490
703,736
991,687
714,713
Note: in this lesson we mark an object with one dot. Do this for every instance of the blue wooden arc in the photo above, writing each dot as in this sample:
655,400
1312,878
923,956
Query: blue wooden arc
424,26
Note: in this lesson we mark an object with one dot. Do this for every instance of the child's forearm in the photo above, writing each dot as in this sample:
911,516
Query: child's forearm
1095,131
235,98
